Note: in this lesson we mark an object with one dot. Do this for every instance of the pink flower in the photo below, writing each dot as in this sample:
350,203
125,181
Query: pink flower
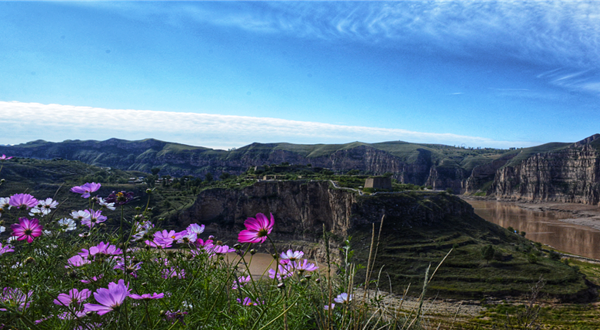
200,242
15,298
248,302
74,296
109,299
3,157
92,279
77,261
304,265
129,269
22,201
26,229
94,218
173,272
175,316
147,296
220,249
290,256
327,307
256,229
283,271
242,281
101,249
164,239
5,249
86,189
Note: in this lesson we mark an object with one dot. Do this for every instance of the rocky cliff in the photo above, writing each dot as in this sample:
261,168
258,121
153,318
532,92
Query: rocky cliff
436,165
303,209
566,174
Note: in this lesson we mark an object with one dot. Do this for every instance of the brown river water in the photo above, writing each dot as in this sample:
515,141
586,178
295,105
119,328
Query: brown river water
544,227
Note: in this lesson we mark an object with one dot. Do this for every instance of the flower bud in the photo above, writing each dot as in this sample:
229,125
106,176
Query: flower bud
252,251
137,208
148,191
280,285
29,260
237,246
318,280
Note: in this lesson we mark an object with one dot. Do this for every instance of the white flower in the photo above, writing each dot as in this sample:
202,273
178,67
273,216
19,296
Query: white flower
67,224
12,238
80,215
189,237
110,206
343,298
2,229
44,207
195,228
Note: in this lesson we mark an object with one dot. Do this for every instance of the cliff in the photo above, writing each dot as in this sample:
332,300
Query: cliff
566,173
303,208
419,229
436,165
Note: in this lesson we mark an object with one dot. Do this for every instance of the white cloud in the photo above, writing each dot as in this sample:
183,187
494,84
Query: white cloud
22,122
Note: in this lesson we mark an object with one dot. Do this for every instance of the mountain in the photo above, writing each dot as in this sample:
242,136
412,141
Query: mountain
434,165
567,172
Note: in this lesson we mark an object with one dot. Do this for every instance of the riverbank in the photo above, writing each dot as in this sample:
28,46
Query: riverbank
574,213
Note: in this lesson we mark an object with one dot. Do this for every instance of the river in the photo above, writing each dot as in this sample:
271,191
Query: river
544,227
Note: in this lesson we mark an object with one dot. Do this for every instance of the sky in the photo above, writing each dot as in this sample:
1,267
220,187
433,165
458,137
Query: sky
226,74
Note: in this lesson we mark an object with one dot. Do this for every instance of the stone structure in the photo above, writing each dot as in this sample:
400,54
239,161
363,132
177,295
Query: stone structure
379,182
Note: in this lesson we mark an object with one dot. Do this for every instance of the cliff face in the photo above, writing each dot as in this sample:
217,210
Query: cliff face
301,209
571,175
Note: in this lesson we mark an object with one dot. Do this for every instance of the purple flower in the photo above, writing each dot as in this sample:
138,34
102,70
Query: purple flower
242,281
5,249
220,249
3,157
74,296
304,265
26,229
256,229
164,239
77,261
175,316
109,299
248,302
328,307
94,218
22,201
15,298
195,228
290,256
119,198
283,271
101,249
86,189
129,269
173,272
343,298
187,237
92,279
147,296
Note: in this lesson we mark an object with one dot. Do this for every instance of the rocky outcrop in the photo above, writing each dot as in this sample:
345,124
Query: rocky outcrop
303,209
570,175
482,174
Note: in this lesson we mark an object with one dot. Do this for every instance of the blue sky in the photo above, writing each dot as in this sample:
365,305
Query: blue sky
226,74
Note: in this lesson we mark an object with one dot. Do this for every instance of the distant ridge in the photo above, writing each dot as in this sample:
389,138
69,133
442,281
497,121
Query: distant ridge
552,171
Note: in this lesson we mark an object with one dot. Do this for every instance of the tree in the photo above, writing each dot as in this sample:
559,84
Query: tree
155,170
208,177
488,252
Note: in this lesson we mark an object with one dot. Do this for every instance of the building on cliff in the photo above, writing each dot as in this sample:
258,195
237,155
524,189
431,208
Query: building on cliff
379,183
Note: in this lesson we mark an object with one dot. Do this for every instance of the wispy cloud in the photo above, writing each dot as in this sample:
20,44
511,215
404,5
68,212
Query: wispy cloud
22,122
